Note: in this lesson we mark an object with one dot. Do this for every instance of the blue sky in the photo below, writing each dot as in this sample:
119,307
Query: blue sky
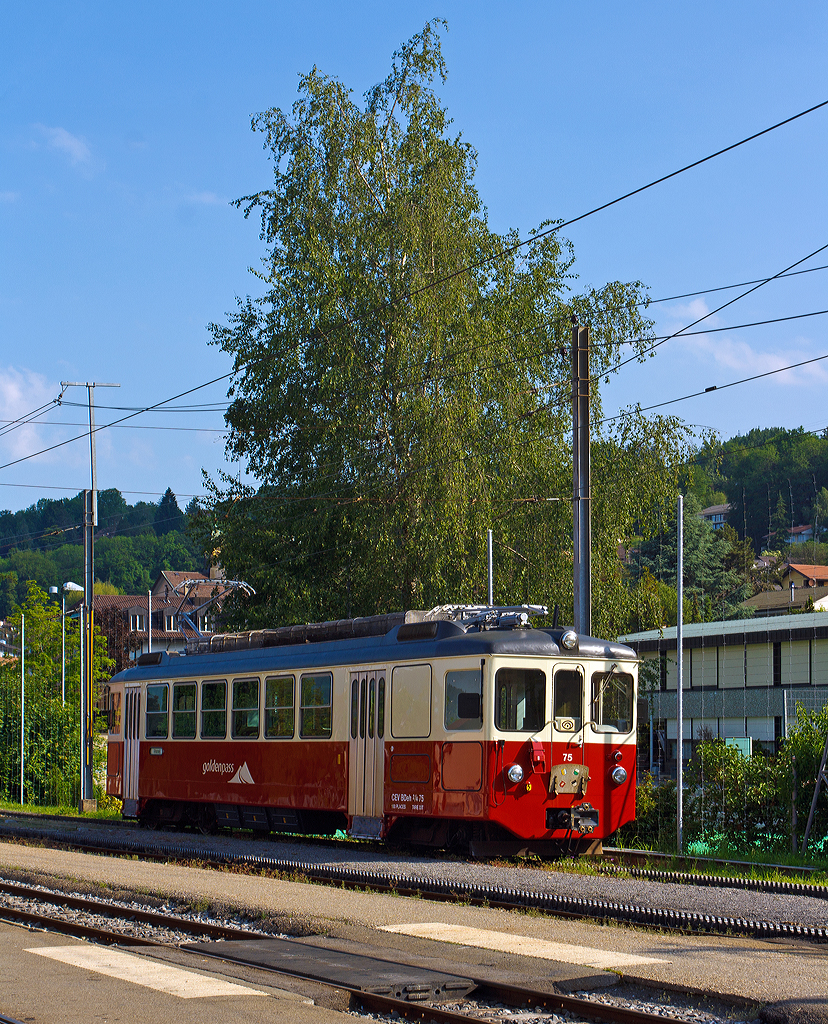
125,133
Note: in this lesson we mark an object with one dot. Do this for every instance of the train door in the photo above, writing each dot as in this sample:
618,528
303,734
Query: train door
132,738
367,752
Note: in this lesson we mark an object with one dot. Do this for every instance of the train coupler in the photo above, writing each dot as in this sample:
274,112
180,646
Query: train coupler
582,819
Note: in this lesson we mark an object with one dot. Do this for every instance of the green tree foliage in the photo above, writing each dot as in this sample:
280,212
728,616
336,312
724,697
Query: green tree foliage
754,469
133,544
715,579
403,383
169,516
52,760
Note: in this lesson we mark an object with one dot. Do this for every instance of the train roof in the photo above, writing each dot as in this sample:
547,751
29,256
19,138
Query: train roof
424,641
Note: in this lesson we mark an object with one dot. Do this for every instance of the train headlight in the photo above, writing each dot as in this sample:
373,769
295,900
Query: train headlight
569,640
619,775
514,773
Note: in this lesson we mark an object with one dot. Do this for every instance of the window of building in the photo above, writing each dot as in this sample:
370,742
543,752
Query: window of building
137,623
214,709
157,711
279,691
520,699
662,670
464,699
612,701
245,708
315,705
777,663
568,700
169,624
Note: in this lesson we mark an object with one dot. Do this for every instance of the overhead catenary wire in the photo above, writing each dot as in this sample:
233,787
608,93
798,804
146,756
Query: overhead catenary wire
558,226
718,387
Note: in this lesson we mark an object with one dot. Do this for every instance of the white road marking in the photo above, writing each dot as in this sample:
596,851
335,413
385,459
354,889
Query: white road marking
584,956
142,971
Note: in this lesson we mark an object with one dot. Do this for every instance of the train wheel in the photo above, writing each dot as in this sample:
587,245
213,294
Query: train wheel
149,819
207,820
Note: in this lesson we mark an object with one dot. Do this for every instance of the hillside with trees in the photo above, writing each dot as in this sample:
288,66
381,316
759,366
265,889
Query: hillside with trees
133,543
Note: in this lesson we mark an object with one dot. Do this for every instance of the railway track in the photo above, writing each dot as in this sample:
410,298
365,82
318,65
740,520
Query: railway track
139,844
483,1000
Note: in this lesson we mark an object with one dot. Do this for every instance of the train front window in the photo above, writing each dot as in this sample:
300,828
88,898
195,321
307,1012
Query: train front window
612,701
157,711
184,711
464,699
214,709
568,700
520,699
245,708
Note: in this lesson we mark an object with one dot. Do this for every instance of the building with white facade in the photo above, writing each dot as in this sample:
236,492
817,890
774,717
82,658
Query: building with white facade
741,679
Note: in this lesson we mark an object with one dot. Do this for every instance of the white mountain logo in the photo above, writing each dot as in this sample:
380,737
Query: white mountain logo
243,774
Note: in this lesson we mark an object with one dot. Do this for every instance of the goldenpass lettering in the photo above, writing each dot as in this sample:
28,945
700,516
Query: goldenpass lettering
218,767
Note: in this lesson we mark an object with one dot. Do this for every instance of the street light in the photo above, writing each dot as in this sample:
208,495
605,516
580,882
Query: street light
73,588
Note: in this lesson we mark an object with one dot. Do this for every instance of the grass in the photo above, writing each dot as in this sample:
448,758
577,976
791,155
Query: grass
107,808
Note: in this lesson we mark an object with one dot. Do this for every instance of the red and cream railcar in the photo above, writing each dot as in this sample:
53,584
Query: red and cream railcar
435,733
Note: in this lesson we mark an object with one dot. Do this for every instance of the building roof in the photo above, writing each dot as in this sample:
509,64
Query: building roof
817,573
713,510
169,579
778,601
755,630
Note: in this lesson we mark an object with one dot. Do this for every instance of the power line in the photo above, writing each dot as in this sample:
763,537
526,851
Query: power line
700,319
129,426
604,206
726,287
719,387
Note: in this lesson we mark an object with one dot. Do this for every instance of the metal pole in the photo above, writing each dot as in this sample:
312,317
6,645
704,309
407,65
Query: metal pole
491,566
86,789
81,630
63,648
581,490
22,701
149,620
680,674
90,521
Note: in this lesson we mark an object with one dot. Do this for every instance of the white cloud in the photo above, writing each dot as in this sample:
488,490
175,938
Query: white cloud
9,197
206,199
22,391
745,361
65,142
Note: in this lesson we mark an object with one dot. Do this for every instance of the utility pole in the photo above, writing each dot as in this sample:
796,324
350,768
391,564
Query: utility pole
581,490
90,521
680,675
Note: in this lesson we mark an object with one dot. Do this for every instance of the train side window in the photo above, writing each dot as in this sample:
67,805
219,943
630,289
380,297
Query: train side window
245,708
372,707
114,712
315,705
279,706
354,707
612,701
568,700
184,711
381,707
520,699
411,701
464,699
214,709
157,711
